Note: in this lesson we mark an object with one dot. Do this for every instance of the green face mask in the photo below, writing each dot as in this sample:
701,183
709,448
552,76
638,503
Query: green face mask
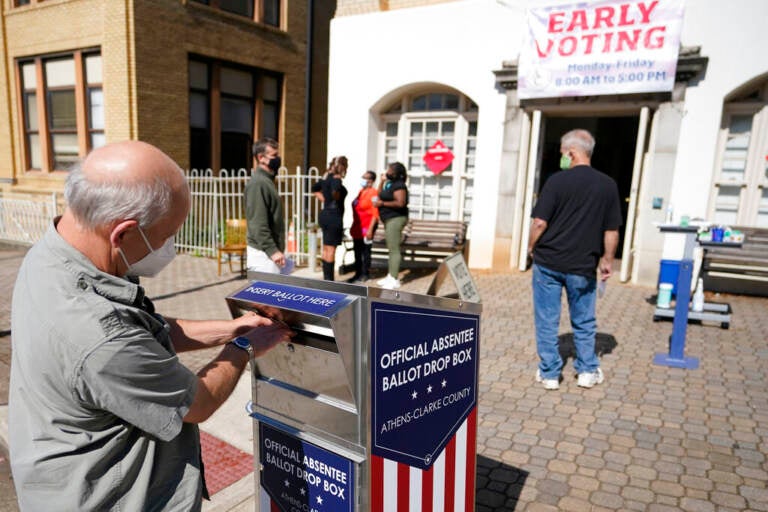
565,162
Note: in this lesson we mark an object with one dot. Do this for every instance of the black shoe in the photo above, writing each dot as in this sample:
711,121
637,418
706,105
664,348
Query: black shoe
353,279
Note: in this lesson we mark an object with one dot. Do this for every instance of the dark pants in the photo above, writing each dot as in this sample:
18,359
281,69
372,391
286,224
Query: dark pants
362,258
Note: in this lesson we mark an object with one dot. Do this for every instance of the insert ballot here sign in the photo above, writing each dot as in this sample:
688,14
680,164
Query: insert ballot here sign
300,476
424,380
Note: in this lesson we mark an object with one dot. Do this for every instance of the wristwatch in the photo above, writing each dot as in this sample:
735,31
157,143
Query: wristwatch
243,343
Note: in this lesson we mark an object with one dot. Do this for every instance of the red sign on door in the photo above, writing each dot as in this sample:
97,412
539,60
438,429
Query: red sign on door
438,157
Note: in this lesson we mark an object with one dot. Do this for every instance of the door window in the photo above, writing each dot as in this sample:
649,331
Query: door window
411,127
740,188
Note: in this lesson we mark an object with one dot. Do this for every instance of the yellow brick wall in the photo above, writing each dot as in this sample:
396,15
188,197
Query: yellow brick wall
60,26
145,46
6,134
167,32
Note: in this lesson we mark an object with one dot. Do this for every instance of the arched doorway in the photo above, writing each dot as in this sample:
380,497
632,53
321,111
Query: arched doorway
410,124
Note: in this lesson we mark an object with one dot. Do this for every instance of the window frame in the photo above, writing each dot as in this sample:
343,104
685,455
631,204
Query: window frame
461,175
214,95
258,7
45,130
753,186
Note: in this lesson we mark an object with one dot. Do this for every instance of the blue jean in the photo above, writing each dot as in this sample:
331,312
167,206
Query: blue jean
580,291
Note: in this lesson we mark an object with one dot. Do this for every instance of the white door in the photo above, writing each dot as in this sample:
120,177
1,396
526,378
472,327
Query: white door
410,129
740,187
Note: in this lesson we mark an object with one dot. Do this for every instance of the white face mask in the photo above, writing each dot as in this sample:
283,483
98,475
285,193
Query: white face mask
364,183
151,264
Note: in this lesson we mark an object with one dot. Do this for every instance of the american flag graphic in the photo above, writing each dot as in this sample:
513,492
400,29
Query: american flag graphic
447,486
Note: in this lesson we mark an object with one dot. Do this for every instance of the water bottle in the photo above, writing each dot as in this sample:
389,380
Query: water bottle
668,218
698,297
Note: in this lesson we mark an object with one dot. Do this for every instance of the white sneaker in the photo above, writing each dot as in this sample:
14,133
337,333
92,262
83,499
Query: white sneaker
394,284
589,379
385,280
548,383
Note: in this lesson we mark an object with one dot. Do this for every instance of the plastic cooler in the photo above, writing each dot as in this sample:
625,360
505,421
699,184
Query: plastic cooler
668,272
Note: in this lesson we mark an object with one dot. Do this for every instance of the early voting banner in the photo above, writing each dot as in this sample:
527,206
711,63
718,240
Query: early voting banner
600,47
300,476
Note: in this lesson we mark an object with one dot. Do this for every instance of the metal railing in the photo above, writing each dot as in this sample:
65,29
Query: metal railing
218,198
24,218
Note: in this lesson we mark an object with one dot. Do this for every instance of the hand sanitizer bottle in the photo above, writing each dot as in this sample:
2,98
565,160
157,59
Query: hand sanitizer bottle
668,216
698,297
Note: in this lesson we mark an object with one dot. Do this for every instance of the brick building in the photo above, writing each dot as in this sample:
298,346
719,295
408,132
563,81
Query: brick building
198,78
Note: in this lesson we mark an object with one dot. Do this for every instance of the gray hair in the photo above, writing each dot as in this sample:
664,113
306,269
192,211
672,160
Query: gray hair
100,202
579,138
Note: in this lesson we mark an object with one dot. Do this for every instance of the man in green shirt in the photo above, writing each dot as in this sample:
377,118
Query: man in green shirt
102,415
264,211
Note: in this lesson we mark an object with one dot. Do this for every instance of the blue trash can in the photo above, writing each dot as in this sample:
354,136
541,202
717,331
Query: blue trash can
668,273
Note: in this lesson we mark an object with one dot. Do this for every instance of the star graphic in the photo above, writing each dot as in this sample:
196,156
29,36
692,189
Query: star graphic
303,491
319,500
443,384
414,395
429,388
287,483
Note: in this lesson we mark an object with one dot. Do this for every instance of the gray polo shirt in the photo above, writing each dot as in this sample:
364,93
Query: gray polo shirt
97,393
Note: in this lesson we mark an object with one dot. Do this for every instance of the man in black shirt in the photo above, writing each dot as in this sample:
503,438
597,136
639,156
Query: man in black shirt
574,232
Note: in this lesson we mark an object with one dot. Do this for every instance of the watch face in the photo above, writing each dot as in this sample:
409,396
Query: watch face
242,342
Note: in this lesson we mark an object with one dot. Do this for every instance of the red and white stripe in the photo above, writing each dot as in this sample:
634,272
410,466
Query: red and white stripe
265,502
448,486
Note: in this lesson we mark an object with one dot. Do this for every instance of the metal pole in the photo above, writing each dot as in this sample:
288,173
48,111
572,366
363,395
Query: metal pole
313,249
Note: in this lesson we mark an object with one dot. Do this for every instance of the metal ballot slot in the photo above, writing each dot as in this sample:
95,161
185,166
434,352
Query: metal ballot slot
375,382
312,382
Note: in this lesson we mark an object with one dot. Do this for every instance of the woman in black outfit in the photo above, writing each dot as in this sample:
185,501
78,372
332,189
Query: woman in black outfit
331,191
392,203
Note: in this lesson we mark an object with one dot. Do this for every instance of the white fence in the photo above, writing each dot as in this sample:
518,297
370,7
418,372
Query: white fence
24,218
218,198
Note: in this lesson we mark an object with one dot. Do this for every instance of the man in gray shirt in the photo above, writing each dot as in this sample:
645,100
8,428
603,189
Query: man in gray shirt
102,415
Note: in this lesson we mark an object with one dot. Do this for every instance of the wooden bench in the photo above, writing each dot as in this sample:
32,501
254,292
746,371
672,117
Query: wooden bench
425,244
740,270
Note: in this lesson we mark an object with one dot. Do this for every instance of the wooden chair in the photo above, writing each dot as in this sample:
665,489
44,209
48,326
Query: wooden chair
234,243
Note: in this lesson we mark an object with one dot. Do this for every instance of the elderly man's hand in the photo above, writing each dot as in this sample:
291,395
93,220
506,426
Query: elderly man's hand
265,337
249,320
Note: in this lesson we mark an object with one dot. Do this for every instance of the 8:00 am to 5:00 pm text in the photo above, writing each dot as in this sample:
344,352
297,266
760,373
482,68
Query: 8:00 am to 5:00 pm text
620,77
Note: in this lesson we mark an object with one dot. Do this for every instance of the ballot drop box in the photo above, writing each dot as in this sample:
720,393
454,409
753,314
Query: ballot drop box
372,406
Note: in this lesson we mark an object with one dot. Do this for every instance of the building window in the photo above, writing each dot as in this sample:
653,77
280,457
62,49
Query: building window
229,107
410,127
740,188
62,107
260,11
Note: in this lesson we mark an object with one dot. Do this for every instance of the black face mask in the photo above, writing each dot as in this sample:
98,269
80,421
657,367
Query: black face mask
391,177
274,164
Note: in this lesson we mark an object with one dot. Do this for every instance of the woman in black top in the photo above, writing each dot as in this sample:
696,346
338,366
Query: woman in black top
331,192
392,203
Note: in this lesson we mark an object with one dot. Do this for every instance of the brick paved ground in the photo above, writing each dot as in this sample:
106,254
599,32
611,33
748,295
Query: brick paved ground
650,438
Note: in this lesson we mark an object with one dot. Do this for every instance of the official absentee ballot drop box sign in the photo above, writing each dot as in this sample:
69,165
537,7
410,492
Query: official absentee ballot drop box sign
372,406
